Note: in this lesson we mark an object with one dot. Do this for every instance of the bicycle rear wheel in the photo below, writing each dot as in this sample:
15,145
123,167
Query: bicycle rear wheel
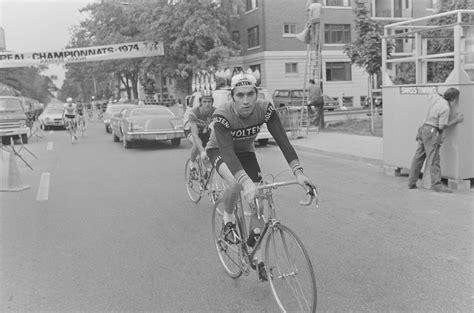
230,255
216,186
193,182
289,271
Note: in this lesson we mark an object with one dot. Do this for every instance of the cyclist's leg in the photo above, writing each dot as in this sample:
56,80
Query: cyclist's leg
233,188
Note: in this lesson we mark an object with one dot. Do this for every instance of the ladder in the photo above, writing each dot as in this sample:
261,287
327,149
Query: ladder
312,69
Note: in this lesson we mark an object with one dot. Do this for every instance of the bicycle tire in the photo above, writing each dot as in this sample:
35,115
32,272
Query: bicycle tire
230,255
193,184
292,281
216,186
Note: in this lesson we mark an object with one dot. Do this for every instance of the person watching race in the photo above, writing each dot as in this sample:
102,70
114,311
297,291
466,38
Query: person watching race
69,113
231,151
196,126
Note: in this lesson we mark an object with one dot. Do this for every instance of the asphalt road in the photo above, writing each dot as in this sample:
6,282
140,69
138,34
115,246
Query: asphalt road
118,233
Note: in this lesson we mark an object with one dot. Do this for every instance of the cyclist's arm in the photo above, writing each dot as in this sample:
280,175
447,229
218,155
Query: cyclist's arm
195,133
279,134
226,148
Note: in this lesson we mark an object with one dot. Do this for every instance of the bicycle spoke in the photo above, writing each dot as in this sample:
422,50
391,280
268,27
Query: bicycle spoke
230,255
290,271
193,182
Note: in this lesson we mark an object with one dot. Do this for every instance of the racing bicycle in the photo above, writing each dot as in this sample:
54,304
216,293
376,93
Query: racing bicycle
71,128
289,269
203,178
81,123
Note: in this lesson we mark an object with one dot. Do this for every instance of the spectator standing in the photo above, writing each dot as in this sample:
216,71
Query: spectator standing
315,101
430,137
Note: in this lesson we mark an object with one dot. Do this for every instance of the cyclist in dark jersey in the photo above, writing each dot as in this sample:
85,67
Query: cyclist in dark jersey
231,151
196,127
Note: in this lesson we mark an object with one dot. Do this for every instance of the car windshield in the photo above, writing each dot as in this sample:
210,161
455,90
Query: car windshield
10,105
151,111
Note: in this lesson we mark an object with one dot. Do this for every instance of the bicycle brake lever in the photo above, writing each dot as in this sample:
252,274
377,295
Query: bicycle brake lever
311,195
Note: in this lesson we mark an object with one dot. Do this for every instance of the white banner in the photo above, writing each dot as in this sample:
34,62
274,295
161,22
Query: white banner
77,55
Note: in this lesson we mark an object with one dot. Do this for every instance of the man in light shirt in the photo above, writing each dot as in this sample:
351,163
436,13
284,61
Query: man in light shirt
429,138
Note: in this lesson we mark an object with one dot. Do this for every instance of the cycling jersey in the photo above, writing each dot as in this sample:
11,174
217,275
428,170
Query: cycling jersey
234,134
80,109
202,120
70,110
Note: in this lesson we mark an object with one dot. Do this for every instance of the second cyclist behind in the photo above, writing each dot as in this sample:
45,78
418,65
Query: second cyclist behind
236,124
196,126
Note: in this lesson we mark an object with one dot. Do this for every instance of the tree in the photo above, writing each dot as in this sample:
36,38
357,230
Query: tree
195,37
29,81
366,50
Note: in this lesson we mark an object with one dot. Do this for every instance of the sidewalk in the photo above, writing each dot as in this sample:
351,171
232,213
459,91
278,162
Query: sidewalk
365,148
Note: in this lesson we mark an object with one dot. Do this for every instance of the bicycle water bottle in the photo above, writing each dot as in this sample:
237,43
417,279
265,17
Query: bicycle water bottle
253,237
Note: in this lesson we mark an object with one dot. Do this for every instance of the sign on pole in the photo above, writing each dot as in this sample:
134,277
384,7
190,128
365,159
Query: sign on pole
76,55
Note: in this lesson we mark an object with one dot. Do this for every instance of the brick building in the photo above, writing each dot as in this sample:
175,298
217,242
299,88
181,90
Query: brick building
266,30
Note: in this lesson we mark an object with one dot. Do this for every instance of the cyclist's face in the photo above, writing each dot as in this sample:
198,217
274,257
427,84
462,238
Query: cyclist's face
245,98
206,104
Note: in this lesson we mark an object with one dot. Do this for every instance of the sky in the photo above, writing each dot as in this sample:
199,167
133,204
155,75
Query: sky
40,25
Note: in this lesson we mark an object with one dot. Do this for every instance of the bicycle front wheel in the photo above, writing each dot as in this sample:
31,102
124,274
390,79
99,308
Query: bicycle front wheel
193,182
230,255
290,272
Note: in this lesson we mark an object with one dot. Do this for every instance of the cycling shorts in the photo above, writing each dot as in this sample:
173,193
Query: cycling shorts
71,116
203,136
247,159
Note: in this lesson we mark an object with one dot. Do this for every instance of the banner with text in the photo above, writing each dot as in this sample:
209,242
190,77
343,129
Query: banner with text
76,55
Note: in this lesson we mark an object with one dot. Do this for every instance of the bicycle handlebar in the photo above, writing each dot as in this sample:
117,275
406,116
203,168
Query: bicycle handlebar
311,191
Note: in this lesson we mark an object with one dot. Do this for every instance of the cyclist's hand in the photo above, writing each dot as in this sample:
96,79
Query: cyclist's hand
250,190
302,179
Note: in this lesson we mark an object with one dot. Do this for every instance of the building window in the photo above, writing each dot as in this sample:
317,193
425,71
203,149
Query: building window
251,4
338,71
253,37
236,36
337,3
291,68
289,29
257,72
337,33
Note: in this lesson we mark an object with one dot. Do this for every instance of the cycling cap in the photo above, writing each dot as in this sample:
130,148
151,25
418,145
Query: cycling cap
243,80
69,100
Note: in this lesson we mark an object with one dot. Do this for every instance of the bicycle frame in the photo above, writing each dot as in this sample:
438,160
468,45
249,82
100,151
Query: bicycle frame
264,194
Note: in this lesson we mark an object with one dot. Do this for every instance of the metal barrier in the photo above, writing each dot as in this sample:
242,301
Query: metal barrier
294,120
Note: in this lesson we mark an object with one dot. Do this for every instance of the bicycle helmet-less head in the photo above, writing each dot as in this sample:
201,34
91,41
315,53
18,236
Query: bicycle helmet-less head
69,100
206,94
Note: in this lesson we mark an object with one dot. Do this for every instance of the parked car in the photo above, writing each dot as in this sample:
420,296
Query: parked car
222,96
52,116
148,122
294,97
114,109
13,120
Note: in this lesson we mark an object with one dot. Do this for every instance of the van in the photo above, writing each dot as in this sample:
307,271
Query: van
13,120
294,97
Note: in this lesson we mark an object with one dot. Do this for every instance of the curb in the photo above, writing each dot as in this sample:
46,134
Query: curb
346,156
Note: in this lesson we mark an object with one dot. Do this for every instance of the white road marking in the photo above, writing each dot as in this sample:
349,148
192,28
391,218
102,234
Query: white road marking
50,146
43,189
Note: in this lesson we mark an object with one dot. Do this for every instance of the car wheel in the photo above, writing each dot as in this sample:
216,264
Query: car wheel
176,142
115,137
24,138
263,142
127,144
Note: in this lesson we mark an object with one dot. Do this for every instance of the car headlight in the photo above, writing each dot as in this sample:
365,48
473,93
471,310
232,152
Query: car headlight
47,119
22,123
